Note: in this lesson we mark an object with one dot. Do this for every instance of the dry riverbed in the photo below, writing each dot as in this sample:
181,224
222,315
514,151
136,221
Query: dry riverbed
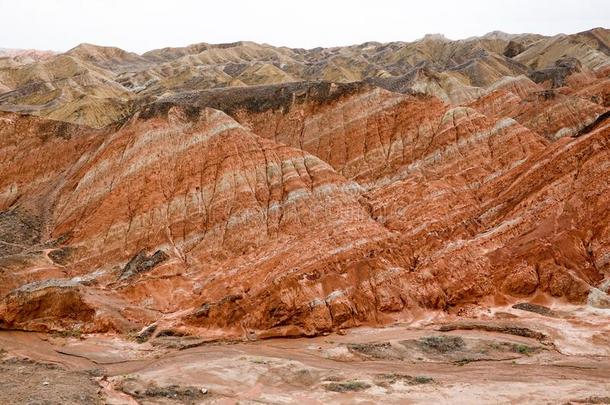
510,355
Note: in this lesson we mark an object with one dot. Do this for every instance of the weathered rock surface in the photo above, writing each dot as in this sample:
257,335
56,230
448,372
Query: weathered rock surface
434,175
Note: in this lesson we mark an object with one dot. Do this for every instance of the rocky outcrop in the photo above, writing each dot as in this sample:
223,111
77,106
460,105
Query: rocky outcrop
46,306
141,263
556,75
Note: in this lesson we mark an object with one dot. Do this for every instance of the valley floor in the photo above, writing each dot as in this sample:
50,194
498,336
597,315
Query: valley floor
506,355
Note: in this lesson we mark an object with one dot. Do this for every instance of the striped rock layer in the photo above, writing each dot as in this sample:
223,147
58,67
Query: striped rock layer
297,209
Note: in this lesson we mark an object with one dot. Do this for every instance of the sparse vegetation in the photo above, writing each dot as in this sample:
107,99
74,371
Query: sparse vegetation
442,344
172,391
523,349
507,329
380,350
346,386
392,378
367,348
422,379
139,389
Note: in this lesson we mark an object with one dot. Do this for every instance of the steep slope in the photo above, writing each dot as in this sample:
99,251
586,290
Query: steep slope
65,88
531,225
591,47
210,196
193,221
245,190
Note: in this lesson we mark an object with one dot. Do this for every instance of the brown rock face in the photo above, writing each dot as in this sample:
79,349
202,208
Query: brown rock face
58,306
297,208
522,281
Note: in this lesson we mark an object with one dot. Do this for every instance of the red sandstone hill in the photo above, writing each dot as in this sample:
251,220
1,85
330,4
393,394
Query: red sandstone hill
245,189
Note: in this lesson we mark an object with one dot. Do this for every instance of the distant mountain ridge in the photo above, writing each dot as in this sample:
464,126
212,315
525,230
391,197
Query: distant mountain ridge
455,71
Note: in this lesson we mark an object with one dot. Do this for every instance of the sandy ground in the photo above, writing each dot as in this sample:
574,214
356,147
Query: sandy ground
504,356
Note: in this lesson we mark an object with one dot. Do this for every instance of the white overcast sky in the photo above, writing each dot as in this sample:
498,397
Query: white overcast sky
140,25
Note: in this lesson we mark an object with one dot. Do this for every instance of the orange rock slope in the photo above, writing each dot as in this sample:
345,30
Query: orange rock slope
299,208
